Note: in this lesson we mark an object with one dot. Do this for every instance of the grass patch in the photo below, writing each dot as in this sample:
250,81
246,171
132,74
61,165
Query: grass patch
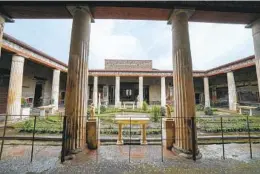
51,125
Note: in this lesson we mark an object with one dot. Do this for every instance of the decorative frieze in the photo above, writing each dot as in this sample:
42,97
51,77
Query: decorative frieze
128,64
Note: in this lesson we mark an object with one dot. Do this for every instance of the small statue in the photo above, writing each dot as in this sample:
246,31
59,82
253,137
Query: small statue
168,111
92,111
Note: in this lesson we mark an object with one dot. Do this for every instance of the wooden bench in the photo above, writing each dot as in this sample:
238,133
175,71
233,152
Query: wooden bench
44,108
250,108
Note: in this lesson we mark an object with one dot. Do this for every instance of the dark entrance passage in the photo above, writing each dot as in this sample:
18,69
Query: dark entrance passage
37,95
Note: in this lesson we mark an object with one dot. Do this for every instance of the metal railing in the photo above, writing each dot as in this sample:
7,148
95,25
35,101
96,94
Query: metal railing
219,130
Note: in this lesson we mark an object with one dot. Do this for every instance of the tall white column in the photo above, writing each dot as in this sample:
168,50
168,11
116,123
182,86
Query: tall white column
232,94
163,92
141,95
256,39
2,24
184,97
15,87
95,91
117,92
55,88
77,80
206,92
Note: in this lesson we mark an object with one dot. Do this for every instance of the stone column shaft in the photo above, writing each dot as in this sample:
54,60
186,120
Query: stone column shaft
55,88
256,39
184,97
117,92
206,92
232,94
2,23
15,87
163,92
95,91
77,81
141,95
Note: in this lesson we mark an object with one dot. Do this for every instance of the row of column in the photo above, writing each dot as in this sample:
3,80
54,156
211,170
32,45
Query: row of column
232,94
15,87
117,91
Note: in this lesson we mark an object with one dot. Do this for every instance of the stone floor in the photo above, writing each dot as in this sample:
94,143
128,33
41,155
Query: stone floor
143,159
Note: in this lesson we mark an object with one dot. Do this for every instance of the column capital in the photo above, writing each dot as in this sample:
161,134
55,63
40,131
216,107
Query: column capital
17,58
177,11
86,9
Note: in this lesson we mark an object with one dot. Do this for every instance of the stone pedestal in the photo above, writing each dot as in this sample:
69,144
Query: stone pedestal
168,132
92,133
15,87
55,89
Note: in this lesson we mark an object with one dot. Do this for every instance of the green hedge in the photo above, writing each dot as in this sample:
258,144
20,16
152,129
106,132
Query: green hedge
230,124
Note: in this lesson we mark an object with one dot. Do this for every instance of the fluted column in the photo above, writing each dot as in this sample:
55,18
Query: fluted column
163,92
55,88
2,24
15,87
141,95
95,91
117,92
184,97
256,39
206,92
77,81
232,94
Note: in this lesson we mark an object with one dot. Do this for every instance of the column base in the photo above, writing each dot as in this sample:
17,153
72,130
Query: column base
143,142
120,142
186,154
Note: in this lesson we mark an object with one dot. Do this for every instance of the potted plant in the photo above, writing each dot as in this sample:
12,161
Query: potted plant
25,108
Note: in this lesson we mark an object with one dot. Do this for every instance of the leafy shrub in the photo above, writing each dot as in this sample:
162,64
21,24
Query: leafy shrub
208,111
163,111
144,106
103,109
200,107
156,112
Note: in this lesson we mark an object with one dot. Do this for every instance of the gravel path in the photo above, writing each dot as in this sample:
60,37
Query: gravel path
144,159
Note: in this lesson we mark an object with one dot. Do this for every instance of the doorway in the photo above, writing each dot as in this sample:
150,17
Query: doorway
37,95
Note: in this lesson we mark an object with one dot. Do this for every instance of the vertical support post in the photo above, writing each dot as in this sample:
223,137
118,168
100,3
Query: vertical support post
249,137
95,91
55,89
33,137
163,92
63,139
161,140
3,137
15,86
141,95
232,94
193,137
222,137
117,92
130,140
206,91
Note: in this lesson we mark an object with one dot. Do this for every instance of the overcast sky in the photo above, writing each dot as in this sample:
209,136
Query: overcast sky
211,44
